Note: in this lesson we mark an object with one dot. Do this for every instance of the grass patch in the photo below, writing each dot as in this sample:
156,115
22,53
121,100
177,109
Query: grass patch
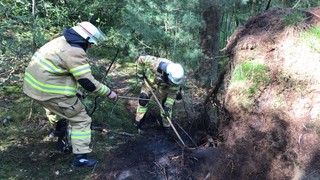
255,75
27,153
312,38
13,89
14,103
112,114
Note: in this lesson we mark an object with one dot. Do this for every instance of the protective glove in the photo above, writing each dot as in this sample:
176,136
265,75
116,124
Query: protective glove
167,112
179,95
140,76
80,94
113,95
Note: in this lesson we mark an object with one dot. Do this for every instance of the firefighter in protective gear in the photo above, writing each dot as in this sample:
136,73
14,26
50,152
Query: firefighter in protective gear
163,75
51,79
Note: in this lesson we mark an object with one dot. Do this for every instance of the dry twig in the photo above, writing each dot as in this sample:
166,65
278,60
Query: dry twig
163,170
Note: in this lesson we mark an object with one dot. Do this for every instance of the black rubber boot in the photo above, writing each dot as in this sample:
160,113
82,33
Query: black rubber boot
52,134
60,145
168,130
81,160
60,129
137,124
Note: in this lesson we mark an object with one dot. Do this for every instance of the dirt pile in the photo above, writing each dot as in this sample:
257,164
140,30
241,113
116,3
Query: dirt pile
273,95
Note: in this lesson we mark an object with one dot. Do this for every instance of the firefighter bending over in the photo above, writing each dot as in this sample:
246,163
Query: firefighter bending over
163,75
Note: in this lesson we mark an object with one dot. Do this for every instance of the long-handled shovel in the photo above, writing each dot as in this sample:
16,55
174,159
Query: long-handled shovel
163,111
133,98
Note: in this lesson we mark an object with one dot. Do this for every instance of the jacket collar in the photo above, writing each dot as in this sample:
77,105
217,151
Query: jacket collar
74,39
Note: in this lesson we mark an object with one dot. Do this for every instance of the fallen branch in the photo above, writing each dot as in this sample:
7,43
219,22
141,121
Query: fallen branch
103,130
163,170
175,157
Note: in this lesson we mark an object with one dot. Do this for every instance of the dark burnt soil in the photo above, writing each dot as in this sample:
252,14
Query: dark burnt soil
154,158
153,154
156,155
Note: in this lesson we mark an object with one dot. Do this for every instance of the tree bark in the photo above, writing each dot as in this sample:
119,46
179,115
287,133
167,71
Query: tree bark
210,36
33,25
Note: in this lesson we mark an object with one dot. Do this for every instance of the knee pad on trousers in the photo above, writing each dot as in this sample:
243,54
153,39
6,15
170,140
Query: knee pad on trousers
143,102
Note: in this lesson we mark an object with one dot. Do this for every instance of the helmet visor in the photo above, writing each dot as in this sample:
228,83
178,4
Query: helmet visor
101,36
175,82
97,37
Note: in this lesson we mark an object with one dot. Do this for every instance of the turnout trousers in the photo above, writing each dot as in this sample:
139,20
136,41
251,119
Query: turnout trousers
165,98
74,111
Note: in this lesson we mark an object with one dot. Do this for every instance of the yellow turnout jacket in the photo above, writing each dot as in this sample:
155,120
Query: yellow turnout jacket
54,70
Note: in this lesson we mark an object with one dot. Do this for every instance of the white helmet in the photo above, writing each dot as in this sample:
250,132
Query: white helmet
175,73
89,32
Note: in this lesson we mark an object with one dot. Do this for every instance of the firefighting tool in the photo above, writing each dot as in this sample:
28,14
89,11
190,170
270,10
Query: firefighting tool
163,111
133,98
96,98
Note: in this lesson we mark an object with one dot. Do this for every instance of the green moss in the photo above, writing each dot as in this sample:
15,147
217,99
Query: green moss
315,32
312,38
248,80
256,75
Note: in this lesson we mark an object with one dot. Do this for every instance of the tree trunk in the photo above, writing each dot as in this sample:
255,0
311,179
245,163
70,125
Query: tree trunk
210,37
33,25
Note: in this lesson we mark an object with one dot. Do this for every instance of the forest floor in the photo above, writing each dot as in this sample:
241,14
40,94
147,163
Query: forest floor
26,152
153,154
122,153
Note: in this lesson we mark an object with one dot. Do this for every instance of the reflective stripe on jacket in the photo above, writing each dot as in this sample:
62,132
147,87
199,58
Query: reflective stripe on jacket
54,70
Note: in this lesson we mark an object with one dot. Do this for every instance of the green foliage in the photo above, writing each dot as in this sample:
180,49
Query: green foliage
15,20
312,37
11,90
255,75
162,28
108,113
315,32
294,18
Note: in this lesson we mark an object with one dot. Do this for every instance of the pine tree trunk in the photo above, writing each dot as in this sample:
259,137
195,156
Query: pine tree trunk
210,37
